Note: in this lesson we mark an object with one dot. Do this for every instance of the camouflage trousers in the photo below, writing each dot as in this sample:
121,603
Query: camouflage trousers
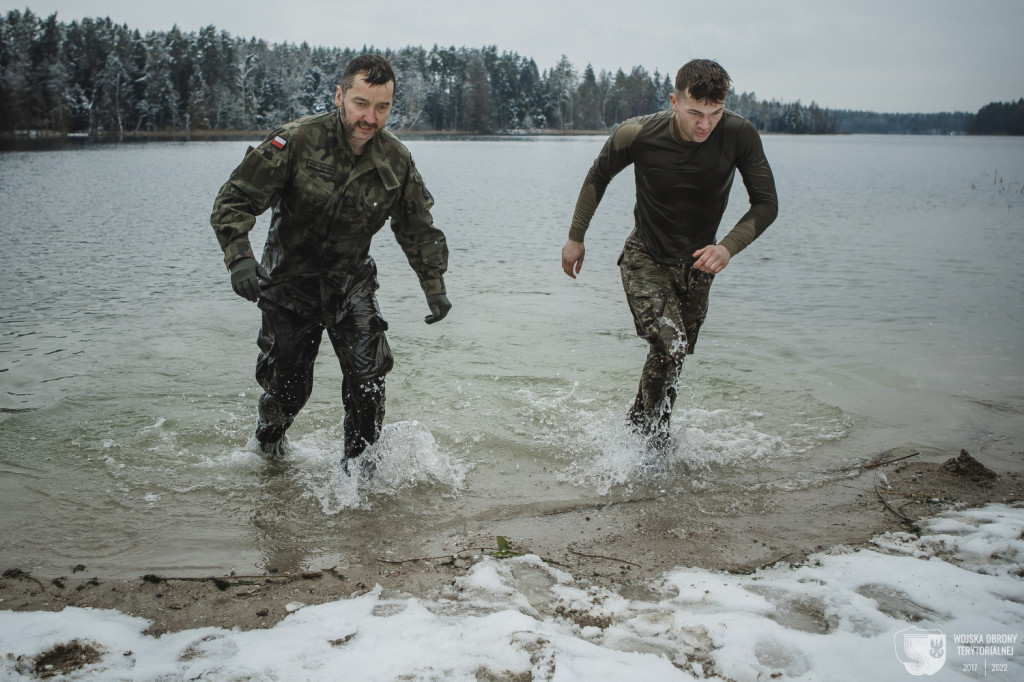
669,304
288,345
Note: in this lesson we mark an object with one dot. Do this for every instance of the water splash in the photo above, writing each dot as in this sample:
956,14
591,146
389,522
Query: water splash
406,456
709,448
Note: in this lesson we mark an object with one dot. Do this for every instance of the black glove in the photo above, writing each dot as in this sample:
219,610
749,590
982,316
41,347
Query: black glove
245,278
439,307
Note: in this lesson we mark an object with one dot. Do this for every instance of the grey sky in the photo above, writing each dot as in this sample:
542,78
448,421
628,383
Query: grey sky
879,55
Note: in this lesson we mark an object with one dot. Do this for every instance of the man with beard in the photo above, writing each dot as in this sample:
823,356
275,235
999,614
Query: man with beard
684,161
331,180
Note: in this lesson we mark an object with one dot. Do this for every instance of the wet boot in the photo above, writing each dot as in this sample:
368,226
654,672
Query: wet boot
653,422
659,441
354,461
271,440
271,424
363,467
364,419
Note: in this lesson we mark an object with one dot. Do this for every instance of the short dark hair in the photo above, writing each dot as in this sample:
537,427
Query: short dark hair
375,69
704,79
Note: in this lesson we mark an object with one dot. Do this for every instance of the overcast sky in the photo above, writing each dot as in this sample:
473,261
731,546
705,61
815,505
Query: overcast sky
879,55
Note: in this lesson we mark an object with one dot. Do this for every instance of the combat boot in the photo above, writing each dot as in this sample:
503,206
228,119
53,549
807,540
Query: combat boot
366,468
273,443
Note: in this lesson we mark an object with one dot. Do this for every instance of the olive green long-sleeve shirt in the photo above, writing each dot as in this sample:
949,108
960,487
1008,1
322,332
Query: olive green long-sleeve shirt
682,188
327,205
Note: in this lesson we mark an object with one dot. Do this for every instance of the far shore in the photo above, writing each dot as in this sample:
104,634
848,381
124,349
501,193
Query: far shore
31,138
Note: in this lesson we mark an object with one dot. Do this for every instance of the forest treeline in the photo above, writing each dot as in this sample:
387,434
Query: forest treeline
103,79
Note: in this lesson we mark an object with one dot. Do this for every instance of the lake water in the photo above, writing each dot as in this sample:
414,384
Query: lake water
884,309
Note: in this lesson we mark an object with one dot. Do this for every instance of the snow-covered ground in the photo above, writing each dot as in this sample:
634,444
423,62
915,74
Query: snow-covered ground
946,605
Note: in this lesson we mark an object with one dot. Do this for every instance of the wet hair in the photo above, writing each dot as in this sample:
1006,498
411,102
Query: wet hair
375,69
705,80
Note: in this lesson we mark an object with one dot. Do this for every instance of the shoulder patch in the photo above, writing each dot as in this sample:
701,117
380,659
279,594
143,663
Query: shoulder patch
279,142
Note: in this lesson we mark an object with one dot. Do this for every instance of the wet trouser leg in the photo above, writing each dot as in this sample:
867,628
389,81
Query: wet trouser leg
668,303
365,358
288,346
656,394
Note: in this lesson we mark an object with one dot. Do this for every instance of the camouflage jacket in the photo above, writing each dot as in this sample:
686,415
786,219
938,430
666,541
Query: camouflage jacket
327,205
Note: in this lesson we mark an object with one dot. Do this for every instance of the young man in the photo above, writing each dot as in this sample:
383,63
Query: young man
684,162
332,180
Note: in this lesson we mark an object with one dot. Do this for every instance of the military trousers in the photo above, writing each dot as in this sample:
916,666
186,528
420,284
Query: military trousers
669,304
289,344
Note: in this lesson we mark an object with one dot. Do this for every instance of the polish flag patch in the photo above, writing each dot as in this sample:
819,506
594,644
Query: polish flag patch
279,142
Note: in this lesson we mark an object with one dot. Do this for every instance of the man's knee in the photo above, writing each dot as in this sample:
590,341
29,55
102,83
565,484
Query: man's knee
364,357
668,339
365,389
288,385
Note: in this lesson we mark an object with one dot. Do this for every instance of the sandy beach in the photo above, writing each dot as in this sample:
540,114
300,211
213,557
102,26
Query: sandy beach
623,546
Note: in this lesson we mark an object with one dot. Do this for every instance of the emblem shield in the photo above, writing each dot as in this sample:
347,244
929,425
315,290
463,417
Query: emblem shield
922,652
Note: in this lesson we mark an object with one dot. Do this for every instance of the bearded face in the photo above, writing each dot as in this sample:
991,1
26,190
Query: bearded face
364,109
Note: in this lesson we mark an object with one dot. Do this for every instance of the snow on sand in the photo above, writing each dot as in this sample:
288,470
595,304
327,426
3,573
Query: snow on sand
843,615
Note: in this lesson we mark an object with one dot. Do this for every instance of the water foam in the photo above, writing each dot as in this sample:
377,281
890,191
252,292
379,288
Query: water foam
605,453
406,456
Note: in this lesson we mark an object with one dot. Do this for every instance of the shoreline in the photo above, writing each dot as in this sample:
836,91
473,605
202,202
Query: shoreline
622,546
28,140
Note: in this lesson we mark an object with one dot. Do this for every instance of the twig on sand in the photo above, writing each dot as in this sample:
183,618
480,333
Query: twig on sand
18,573
890,461
923,496
893,491
236,580
888,506
755,569
435,558
607,558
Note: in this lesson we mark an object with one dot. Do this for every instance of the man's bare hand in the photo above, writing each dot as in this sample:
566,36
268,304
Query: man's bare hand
712,259
572,257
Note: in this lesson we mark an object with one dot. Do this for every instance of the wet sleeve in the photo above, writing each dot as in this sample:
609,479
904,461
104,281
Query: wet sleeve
424,245
615,155
760,183
250,190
